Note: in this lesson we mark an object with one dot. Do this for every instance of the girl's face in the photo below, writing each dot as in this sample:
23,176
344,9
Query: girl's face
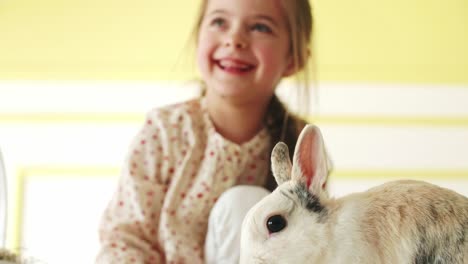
243,49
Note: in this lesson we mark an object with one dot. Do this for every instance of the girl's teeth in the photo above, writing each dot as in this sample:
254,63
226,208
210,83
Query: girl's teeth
231,64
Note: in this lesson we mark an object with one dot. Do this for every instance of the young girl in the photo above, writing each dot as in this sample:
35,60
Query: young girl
168,207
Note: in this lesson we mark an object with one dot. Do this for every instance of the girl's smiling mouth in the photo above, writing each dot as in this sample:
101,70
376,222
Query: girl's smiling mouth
234,65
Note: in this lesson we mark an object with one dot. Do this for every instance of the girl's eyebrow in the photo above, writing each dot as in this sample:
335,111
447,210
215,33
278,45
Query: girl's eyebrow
217,11
262,17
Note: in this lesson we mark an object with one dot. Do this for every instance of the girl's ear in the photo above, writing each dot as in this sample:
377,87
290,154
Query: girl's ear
310,163
291,69
281,163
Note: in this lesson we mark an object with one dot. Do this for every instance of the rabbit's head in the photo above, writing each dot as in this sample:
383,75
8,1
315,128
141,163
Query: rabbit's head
289,225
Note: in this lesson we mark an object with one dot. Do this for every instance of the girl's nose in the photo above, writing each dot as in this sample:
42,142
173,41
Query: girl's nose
235,40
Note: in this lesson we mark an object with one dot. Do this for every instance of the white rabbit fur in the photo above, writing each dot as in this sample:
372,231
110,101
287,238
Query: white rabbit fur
398,222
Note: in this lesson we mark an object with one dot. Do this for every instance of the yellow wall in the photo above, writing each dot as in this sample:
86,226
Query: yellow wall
92,39
361,40
397,40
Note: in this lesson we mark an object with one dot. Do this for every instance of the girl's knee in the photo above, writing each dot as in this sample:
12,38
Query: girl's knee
225,221
243,194
238,200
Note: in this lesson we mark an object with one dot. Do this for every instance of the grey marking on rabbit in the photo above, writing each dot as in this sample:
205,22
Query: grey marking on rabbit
308,200
445,249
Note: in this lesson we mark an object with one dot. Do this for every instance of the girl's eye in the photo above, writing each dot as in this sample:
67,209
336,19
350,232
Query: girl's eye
219,22
261,28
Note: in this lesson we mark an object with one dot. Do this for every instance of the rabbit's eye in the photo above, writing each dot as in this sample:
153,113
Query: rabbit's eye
276,223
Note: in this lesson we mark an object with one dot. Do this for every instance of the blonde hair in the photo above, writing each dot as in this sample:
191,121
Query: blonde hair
300,26
283,125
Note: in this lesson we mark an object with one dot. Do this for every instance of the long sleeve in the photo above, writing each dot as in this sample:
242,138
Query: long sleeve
128,230
177,167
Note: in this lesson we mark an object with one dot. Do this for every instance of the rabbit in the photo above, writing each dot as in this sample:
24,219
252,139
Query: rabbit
399,222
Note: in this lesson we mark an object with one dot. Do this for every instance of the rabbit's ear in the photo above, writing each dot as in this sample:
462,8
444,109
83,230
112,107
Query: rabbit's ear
281,163
310,164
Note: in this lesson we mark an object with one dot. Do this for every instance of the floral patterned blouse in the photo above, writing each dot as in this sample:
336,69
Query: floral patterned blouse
176,169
